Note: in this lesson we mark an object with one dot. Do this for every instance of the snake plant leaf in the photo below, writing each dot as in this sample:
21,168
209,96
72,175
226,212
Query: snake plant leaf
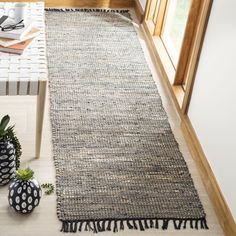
4,122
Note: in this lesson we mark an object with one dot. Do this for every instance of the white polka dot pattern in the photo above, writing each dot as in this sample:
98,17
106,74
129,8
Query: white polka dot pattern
18,199
24,196
7,161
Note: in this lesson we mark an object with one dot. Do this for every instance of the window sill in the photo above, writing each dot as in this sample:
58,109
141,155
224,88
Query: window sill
164,63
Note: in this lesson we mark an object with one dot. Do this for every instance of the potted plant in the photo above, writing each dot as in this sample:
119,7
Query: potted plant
10,151
24,191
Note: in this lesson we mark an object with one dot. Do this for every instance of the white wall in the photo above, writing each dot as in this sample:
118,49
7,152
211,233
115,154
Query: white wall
213,105
143,3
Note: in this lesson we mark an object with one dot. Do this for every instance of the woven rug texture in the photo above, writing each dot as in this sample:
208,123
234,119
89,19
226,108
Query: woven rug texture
117,161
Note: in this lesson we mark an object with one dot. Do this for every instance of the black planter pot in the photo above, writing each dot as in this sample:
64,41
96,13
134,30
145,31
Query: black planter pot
24,196
7,161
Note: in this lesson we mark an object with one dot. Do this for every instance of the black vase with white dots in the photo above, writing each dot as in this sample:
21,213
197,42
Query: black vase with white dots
24,195
7,161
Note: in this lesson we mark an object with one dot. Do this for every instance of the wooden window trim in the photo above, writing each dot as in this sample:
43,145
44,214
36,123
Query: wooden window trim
165,58
195,50
166,69
187,42
190,51
160,17
147,10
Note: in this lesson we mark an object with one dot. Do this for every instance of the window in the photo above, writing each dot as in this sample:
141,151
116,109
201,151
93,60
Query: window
167,19
175,30
153,13
174,27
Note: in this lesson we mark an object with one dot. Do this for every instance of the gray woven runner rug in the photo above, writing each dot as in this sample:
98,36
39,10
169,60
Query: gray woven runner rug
117,162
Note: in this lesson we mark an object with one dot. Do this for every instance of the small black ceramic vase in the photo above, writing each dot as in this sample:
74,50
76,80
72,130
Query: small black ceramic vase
24,195
7,161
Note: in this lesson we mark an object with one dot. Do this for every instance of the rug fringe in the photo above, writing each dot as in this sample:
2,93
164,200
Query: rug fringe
88,10
116,225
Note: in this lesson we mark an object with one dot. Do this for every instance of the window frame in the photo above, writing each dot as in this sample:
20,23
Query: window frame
181,77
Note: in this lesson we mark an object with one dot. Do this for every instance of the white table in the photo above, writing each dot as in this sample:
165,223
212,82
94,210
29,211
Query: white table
27,74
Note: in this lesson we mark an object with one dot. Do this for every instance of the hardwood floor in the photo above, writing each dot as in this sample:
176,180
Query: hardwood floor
43,221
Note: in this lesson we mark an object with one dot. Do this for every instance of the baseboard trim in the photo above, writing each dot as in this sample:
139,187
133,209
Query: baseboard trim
221,208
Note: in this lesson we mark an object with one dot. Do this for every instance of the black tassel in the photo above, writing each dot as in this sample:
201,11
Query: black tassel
180,224
165,224
141,225
99,227
205,223
88,226
156,224
129,224
104,225
115,229
73,227
86,10
196,224
202,224
146,224
67,227
185,224
109,226
80,226
95,227
151,224
70,226
62,226
135,225
177,224
191,224
122,225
